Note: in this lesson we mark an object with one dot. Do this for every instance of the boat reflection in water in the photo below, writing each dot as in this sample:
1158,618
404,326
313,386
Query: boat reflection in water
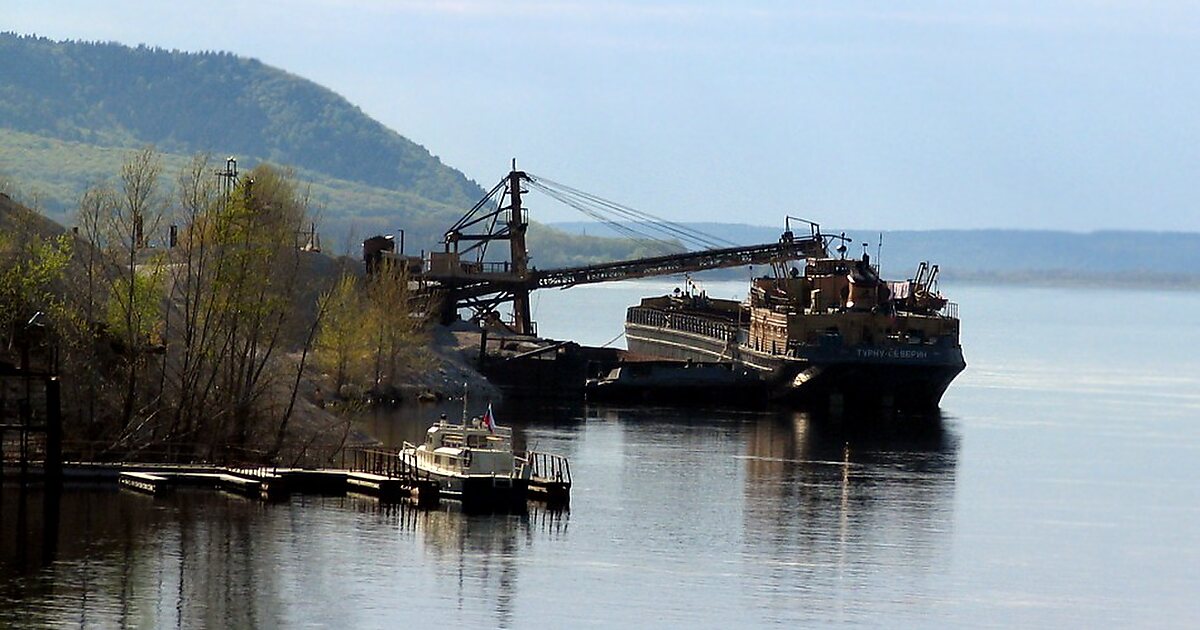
695,517
466,556
856,511
203,559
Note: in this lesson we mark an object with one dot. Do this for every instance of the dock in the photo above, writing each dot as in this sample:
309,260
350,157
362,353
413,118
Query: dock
145,482
266,484
550,478
380,473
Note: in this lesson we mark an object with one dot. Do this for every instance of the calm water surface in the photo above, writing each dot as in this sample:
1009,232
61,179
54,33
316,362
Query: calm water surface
1061,488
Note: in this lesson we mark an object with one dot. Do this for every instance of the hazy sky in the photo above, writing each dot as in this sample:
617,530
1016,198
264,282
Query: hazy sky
1073,115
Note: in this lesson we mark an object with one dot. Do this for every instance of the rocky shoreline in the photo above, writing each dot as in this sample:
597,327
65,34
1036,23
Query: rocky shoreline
446,369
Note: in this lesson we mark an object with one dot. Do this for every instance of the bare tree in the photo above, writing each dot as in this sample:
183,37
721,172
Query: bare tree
96,205
234,291
133,307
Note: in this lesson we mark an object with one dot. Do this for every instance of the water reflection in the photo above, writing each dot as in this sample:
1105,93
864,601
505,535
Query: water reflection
849,506
203,559
469,561
125,559
779,517
32,522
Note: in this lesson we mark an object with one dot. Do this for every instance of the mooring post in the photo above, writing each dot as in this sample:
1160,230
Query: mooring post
53,465
24,413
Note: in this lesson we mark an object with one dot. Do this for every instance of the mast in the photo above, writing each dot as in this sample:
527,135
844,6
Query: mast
522,318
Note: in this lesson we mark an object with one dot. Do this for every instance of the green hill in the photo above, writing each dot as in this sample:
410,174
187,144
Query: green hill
70,112
111,95
51,174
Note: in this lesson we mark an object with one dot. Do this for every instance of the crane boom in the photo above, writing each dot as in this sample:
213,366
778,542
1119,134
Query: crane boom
687,262
464,285
481,285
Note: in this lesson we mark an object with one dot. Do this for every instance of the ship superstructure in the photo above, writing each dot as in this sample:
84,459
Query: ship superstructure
833,333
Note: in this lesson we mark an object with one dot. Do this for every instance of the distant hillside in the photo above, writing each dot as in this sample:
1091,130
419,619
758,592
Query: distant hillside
111,95
1050,257
71,111
51,174
17,219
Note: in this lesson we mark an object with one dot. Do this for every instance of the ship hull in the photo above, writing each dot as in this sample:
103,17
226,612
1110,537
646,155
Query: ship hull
834,377
678,382
482,492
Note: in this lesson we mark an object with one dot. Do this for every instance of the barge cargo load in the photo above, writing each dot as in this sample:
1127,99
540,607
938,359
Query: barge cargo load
835,334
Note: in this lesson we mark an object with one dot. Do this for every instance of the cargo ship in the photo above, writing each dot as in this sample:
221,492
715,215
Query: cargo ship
834,335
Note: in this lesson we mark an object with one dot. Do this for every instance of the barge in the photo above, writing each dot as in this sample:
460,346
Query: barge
833,335
686,382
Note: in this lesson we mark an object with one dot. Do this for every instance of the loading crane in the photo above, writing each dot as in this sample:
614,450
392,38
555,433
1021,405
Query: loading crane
454,282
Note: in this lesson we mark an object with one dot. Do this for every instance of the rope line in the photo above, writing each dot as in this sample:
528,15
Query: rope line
608,211
611,341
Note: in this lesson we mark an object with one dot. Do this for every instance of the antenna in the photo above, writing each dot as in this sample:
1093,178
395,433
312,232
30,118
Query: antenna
879,254
464,413
229,178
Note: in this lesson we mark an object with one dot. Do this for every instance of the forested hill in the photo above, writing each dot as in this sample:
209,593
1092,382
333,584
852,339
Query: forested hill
112,95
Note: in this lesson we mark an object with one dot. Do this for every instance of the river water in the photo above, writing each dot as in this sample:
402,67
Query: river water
1060,489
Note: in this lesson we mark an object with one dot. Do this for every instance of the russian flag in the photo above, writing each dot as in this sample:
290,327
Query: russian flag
489,419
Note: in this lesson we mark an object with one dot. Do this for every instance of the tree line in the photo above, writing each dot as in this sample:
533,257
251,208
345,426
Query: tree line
191,323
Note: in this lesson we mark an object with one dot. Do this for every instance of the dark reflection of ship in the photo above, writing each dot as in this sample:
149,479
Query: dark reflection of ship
846,507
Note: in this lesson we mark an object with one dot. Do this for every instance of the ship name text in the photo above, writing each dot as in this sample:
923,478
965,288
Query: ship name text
891,353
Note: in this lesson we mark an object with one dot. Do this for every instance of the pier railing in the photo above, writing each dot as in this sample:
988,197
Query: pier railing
393,463
681,322
548,466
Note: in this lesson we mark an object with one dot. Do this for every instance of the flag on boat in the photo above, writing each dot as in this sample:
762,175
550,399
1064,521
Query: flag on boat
489,420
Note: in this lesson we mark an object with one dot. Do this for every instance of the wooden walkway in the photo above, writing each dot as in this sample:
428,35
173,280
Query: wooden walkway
269,484
389,475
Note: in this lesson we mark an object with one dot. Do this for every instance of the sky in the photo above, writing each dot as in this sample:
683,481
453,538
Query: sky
1077,115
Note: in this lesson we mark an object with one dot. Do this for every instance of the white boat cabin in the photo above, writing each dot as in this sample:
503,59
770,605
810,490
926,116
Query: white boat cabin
467,449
